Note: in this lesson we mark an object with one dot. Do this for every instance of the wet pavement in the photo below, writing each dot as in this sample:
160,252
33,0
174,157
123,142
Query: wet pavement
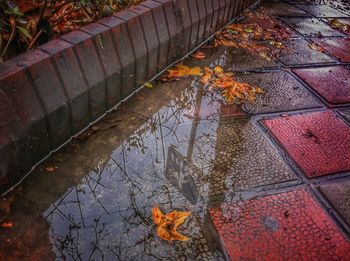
264,181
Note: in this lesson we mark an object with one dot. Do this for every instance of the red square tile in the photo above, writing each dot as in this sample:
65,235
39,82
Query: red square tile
286,226
318,142
339,47
332,83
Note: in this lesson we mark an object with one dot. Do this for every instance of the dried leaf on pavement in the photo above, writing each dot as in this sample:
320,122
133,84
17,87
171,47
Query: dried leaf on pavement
199,55
317,47
252,37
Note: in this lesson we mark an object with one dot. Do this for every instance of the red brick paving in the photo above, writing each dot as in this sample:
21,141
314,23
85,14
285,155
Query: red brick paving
332,83
286,226
318,142
339,47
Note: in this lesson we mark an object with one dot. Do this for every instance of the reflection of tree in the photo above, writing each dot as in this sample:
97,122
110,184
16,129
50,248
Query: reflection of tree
68,246
124,187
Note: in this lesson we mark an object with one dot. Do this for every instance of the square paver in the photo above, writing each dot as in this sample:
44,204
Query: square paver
332,83
282,93
282,9
318,142
298,52
319,10
346,114
286,226
338,194
339,47
311,27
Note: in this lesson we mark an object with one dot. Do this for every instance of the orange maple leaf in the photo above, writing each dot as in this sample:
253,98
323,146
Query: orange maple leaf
167,224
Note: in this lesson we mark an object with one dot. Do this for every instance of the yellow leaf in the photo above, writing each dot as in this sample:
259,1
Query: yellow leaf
149,85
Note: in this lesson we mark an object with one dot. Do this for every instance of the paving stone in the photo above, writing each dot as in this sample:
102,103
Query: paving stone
298,52
320,10
338,194
346,114
126,56
339,47
318,142
195,23
243,159
311,27
332,83
241,59
282,9
202,21
151,38
110,61
75,86
138,42
346,22
92,71
286,226
283,93
268,24
209,18
166,13
182,5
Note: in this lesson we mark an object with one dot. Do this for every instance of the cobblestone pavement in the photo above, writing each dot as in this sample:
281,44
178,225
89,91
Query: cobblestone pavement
265,181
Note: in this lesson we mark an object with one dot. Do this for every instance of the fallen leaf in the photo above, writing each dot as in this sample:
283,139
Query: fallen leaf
180,71
7,225
199,55
50,168
231,90
267,43
317,47
149,85
167,224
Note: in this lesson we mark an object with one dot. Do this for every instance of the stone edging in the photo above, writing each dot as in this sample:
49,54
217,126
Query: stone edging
54,92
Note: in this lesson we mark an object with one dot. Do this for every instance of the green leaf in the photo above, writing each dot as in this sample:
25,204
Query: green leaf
24,31
248,30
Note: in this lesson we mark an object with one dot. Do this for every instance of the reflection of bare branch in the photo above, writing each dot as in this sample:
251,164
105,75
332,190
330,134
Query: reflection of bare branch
133,182
79,206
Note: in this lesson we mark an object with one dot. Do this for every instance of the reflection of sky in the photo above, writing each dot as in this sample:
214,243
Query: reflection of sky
108,213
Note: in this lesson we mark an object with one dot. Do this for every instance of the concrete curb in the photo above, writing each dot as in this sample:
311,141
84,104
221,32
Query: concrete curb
54,92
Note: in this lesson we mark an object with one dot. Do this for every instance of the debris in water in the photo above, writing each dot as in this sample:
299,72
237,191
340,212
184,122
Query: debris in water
7,225
317,47
50,168
167,224
149,85
336,24
231,90
180,71
198,55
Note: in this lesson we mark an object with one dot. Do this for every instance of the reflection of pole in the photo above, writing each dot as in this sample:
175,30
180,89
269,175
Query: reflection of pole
161,135
195,123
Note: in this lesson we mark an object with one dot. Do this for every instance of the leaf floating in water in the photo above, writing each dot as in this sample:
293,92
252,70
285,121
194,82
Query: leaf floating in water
231,90
336,24
149,85
180,71
167,224
199,55
7,225
317,47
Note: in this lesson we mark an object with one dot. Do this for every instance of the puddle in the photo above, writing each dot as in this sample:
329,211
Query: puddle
175,145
